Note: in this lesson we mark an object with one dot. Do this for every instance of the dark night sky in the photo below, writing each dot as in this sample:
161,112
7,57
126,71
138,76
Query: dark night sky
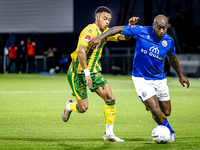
84,12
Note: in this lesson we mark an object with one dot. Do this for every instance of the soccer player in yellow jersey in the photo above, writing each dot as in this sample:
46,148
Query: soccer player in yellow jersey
85,71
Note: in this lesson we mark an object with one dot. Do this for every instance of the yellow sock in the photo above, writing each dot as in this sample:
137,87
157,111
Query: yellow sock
73,106
109,112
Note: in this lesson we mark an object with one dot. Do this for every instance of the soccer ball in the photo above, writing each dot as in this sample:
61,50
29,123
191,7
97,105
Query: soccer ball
160,134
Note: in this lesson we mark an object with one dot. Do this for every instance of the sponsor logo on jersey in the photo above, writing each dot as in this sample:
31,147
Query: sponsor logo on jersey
154,49
164,43
153,52
88,38
133,26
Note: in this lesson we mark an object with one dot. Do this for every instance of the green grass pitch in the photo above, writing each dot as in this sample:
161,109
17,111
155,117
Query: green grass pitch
31,108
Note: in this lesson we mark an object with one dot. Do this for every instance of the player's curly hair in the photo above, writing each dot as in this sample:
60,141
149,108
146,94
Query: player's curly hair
101,9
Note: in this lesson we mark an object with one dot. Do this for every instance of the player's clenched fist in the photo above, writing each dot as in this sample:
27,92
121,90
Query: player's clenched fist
133,20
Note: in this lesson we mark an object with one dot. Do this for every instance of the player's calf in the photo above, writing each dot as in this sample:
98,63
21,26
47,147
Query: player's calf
165,106
158,115
167,112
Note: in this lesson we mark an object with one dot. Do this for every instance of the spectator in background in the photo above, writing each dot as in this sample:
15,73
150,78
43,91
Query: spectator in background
31,55
64,63
22,52
57,56
50,58
13,57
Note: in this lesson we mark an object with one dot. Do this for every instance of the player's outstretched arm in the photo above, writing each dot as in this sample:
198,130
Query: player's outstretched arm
95,42
175,65
83,62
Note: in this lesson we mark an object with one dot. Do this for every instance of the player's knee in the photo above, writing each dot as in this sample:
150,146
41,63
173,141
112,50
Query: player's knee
83,109
111,97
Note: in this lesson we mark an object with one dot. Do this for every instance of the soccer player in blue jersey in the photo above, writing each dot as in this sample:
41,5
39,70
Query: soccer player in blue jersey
153,45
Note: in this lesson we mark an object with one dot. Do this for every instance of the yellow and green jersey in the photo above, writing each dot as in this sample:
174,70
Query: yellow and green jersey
93,56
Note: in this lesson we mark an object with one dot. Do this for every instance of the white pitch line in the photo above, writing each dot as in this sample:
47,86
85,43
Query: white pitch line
173,83
69,91
29,92
192,84
123,81
124,90
66,91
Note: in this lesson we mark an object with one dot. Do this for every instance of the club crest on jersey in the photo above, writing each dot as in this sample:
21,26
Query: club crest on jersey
164,43
82,92
88,38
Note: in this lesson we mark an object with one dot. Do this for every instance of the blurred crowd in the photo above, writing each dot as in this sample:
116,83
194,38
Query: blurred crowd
24,55
21,55
56,60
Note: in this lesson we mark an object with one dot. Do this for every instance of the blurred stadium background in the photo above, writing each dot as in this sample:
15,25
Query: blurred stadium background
57,24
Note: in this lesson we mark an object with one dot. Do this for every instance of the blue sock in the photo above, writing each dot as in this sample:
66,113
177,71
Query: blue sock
166,123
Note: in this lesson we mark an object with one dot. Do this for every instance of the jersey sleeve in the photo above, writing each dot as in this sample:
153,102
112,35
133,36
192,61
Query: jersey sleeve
133,30
85,36
173,50
114,38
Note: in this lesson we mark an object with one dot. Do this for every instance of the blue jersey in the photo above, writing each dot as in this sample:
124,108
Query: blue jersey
150,52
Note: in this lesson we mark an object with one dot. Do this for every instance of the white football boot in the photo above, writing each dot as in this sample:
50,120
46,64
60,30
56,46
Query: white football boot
112,138
172,137
66,112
